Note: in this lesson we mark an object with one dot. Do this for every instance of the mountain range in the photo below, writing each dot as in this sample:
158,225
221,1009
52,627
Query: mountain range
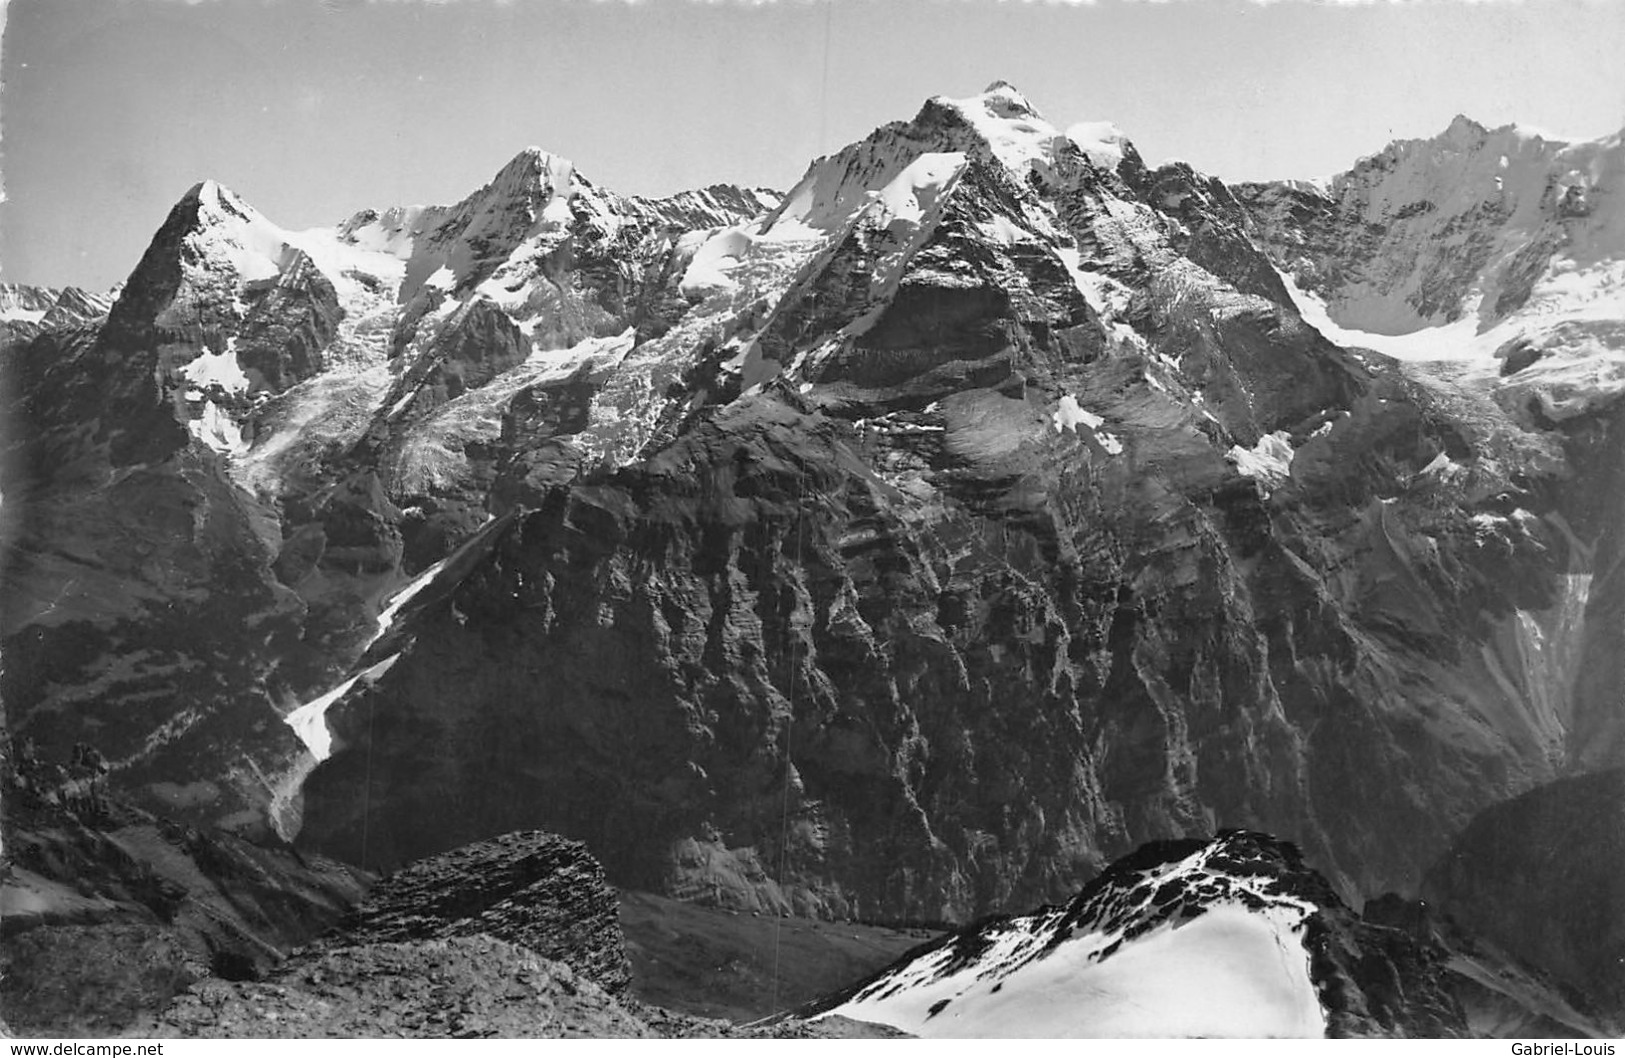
905,547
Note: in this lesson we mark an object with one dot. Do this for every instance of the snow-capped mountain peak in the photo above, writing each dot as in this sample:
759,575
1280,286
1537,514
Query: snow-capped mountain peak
1010,130
1499,248
25,304
998,127
221,243
1182,939
232,234
543,180
526,204
1006,100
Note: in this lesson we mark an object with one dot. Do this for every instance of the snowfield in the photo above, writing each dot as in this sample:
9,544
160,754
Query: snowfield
1188,949
1542,312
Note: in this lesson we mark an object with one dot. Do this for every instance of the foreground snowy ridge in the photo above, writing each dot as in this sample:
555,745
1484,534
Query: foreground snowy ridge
1184,939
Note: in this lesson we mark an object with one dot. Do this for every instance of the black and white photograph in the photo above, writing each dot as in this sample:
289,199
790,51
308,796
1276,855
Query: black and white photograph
812,520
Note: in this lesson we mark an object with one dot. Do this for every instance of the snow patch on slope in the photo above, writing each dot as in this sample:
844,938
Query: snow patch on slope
404,596
1101,141
726,260
1269,461
1454,341
907,209
1069,415
905,201
218,430
217,367
1574,326
309,721
715,256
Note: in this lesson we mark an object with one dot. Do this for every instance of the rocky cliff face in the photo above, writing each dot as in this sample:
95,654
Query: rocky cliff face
905,547
1487,263
1027,520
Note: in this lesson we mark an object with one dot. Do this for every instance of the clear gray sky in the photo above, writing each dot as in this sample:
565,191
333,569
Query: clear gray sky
313,109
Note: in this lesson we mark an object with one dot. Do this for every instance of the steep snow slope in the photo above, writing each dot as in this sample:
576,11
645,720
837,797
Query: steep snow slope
1185,949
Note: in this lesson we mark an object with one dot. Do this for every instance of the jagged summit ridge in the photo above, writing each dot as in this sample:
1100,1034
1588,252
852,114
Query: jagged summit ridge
385,287
1488,246
998,126
24,307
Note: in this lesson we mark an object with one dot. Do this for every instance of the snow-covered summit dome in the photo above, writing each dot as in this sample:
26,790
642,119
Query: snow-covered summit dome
1004,99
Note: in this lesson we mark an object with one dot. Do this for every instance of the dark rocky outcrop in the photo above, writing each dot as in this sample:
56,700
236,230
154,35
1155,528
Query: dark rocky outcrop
535,890
290,322
464,987
1500,996
474,987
